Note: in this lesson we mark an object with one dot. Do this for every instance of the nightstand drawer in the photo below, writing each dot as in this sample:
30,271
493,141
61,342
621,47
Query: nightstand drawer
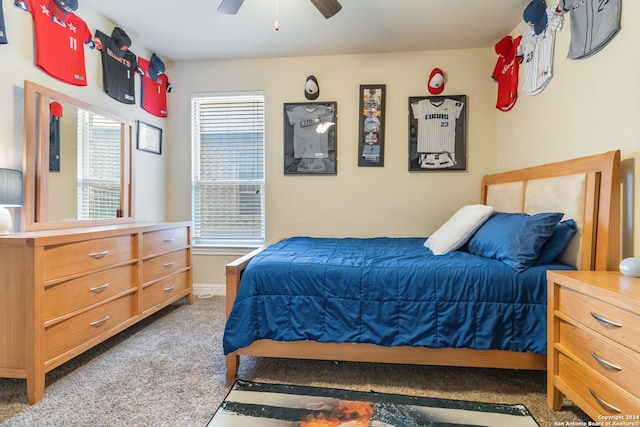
611,321
602,396
622,366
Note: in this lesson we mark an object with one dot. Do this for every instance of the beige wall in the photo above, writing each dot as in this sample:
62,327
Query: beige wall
18,64
358,201
590,106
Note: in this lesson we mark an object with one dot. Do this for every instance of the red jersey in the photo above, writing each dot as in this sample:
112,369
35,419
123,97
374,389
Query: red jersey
59,45
153,94
506,72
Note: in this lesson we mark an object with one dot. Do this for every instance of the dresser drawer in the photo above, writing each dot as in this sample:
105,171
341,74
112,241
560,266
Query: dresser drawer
156,242
163,265
615,323
84,291
77,330
622,366
596,391
76,258
163,290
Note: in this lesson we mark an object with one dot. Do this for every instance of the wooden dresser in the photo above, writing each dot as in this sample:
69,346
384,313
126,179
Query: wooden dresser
594,343
64,291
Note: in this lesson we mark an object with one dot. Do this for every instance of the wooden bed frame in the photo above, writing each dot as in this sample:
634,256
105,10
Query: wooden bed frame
599,250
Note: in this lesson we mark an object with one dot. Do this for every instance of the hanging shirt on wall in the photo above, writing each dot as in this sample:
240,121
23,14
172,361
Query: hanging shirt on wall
154,85
537,52
59,45
3,34
119,65
506,72
594,23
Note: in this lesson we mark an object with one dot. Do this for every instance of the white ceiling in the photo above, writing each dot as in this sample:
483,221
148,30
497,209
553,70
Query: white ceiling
183,30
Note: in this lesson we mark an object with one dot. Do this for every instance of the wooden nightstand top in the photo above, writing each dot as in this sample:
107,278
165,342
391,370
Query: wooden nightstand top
611,286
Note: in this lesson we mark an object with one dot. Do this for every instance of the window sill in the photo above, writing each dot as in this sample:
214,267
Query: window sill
222,250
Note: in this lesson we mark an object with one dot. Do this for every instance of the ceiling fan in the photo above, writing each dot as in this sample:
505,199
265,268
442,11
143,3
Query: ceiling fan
328,8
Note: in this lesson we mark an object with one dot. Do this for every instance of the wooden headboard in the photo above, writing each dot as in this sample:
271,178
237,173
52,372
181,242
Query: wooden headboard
586,189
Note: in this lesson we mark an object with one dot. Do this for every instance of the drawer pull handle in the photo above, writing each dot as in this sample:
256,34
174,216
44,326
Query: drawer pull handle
169,264
169,240
605,363
170,288
607,405
606,321
99,289
98,255
100,322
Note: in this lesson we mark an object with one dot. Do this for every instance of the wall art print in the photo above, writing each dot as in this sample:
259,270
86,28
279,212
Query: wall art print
371,124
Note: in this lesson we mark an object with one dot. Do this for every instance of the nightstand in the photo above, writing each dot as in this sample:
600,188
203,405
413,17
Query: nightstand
594,343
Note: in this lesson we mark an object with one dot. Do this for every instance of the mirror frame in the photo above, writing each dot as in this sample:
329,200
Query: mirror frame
36,161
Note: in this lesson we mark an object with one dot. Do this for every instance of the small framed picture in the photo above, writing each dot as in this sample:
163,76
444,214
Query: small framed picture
310,138
371,123
437,133
149,138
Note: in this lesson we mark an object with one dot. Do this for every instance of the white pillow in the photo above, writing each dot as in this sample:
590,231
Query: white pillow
458,229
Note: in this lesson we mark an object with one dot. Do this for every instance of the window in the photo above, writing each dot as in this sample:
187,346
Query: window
99,160
228,169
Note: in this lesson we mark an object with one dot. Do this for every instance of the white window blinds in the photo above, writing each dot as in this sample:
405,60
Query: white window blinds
228,169
99,166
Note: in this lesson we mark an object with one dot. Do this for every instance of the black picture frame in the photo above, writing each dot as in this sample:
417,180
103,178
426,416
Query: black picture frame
371,124
438,148
149,138
310,138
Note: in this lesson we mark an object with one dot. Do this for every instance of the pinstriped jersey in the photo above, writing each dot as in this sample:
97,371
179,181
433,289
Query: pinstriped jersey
537,53
437,124
59,45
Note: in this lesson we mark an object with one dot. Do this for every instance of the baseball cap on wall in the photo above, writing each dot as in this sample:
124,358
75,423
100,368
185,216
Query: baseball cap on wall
61,9
436,81
120,41
311,88
156,67
535,14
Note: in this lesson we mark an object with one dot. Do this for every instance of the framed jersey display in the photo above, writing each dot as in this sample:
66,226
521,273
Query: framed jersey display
437,133
310,138
371,124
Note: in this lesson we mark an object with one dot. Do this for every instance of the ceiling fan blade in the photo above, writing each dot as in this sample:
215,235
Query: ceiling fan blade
328,8
230,7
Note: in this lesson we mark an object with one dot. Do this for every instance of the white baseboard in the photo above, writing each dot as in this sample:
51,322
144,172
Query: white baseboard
208,289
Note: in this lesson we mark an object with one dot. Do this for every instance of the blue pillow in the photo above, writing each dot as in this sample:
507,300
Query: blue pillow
559,240
514,238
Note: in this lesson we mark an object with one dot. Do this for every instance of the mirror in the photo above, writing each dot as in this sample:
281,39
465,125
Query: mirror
77,163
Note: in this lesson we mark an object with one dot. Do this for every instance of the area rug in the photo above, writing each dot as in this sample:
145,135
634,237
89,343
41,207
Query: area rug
269,405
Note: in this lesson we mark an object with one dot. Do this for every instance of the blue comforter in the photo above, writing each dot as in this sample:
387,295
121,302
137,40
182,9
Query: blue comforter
387,291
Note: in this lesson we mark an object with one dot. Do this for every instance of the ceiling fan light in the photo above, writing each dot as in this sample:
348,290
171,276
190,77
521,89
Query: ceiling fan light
328,8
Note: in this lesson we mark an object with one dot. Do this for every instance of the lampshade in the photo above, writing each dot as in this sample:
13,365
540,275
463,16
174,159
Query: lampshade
10,188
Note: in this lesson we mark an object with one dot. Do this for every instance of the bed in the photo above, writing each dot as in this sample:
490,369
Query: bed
391,300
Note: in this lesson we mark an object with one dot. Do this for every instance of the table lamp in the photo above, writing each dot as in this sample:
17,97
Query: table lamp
10,197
